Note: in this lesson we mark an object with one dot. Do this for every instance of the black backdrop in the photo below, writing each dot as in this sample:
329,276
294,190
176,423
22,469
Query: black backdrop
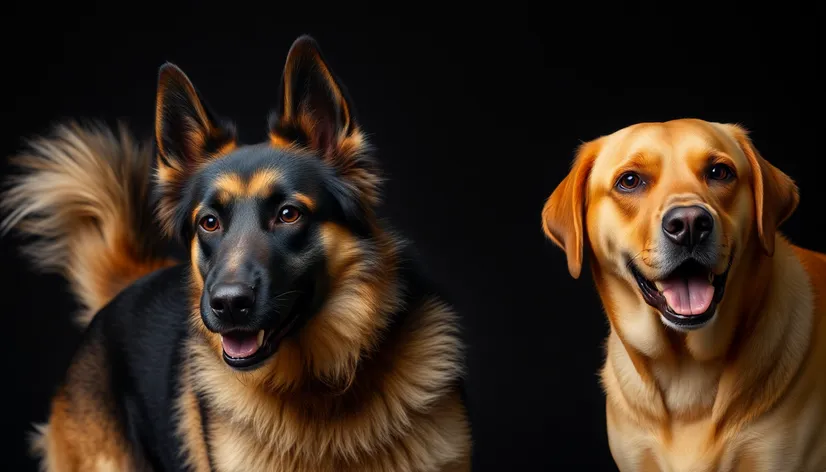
475,125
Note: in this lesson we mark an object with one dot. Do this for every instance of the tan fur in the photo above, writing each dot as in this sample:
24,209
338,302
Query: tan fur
191,425
82,433
231,186
747,391
345,394
82,193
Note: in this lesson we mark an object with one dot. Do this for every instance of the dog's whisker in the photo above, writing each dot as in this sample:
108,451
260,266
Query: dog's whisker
281,300
632,259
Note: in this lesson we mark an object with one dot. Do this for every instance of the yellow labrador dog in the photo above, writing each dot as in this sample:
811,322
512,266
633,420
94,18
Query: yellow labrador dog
716,359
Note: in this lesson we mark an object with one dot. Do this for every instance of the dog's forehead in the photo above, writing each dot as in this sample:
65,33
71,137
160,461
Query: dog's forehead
665,142
689,135
257,172
263,167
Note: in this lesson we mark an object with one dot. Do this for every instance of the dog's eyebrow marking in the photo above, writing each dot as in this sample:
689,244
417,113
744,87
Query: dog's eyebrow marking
642,159
305,200
638,161
231,186
261,182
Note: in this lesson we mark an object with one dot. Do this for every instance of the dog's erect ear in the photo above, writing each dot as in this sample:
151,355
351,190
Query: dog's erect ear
776,195
316,113
187,133
314,110
186,130
564,211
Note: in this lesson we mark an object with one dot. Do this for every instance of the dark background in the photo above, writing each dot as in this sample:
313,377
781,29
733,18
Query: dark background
476,120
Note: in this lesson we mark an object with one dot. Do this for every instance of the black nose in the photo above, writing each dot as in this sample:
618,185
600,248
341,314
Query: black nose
232,301
687,226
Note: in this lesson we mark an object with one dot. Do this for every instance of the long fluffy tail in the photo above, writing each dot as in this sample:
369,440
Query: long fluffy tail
84,197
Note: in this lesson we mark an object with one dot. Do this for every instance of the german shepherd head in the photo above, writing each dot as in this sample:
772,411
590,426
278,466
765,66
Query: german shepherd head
290,271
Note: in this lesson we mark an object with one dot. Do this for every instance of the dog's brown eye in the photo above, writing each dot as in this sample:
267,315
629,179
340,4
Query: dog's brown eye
209,223
720,172
288,214
629,181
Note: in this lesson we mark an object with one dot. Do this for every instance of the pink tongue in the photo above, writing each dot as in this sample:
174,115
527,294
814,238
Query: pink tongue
688,296
240,346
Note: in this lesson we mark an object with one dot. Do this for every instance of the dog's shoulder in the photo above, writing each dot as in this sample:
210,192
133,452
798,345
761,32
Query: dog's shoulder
148,305
142,325
814,264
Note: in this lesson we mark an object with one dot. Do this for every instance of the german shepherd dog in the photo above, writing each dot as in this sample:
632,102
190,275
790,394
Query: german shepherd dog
300,336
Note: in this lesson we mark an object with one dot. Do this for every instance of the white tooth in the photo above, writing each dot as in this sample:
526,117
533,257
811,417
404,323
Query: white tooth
261,338
710,277
659,286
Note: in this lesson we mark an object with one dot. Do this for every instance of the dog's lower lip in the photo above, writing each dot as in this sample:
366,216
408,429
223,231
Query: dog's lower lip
653,293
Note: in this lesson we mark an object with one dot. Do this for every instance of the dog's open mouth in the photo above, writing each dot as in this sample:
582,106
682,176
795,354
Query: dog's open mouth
246,350
688,297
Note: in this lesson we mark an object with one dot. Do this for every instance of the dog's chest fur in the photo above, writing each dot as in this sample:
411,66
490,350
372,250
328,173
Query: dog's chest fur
771,444
675,426
427,444
690,387
410,418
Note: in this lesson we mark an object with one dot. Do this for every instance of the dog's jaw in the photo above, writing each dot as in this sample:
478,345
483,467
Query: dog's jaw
652,295
688,328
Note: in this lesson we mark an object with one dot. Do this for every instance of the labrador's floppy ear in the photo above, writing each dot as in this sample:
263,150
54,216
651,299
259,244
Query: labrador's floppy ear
563,213
776,195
